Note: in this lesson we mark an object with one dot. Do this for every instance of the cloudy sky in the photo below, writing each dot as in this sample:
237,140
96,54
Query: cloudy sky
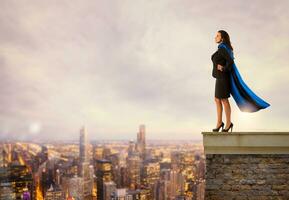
115,64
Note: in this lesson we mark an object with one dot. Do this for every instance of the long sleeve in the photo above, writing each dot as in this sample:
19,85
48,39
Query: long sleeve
229,60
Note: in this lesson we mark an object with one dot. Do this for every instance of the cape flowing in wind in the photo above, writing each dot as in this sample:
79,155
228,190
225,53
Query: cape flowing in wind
245,98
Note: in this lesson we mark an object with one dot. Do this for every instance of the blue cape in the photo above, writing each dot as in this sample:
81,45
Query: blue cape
245,98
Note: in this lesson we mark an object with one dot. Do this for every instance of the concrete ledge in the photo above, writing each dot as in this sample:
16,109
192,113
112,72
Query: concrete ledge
246,142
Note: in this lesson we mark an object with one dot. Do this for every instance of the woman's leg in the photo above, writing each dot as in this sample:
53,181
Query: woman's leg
219,111
227,106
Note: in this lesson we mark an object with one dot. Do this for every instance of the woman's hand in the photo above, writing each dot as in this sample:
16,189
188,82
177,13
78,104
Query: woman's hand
220,67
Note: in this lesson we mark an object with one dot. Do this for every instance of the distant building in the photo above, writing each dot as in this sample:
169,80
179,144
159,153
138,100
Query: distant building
170,185
131,148
73,186
83,146
84,165
54,193
141,142
119,194
103,174
26,194
108,190
151,173
15,181
133,171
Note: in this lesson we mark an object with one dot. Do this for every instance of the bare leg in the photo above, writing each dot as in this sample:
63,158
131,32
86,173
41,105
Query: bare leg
227,106
219,111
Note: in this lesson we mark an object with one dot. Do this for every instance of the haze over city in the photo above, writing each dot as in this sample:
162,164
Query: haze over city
112,65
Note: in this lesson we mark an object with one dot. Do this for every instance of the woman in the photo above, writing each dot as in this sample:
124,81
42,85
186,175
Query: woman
222,67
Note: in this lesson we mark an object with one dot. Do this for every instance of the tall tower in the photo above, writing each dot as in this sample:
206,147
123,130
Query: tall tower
83,145
141,144
84,170
103,174
131,147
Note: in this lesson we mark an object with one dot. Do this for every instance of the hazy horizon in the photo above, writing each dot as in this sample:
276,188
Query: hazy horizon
113,65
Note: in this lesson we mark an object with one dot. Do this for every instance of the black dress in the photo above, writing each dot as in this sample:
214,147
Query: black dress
222,84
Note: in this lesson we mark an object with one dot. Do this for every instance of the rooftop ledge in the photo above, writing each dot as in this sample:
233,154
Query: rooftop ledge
246,142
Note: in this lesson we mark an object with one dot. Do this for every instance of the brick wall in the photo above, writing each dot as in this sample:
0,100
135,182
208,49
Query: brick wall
246,165
248,176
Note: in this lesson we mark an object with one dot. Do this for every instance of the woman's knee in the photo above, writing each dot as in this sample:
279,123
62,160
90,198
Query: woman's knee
225,100
217,100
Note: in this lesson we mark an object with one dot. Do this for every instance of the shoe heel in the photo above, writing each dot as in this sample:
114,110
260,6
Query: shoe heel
217,129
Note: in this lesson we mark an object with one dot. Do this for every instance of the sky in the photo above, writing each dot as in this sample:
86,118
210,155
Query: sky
112,65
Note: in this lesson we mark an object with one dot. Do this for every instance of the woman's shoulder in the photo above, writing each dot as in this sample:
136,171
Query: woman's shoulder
225,53
221,49
224,50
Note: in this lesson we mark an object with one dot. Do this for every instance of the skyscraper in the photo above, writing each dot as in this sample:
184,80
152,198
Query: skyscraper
134,171
54,193
141,144
103,174
84,170
15,180
131,147
83,145
108,190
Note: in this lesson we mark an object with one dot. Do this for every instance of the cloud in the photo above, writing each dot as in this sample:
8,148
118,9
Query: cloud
113,65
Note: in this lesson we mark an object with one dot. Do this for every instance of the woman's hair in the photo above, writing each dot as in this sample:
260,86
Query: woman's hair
226,38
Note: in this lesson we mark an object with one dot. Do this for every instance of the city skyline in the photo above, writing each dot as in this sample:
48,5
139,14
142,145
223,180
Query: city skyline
113,65
114,171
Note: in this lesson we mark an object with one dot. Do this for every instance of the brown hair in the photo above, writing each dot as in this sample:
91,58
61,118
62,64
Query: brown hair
226,38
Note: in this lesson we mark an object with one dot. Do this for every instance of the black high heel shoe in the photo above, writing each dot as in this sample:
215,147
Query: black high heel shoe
217,129
230,127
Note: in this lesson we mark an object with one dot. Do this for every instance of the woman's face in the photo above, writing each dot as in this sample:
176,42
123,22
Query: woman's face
218,37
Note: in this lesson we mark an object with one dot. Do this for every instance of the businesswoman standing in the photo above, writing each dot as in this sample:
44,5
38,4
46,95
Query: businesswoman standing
222,67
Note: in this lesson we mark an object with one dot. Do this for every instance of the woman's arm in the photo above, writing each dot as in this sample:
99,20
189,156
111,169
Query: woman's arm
229,60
